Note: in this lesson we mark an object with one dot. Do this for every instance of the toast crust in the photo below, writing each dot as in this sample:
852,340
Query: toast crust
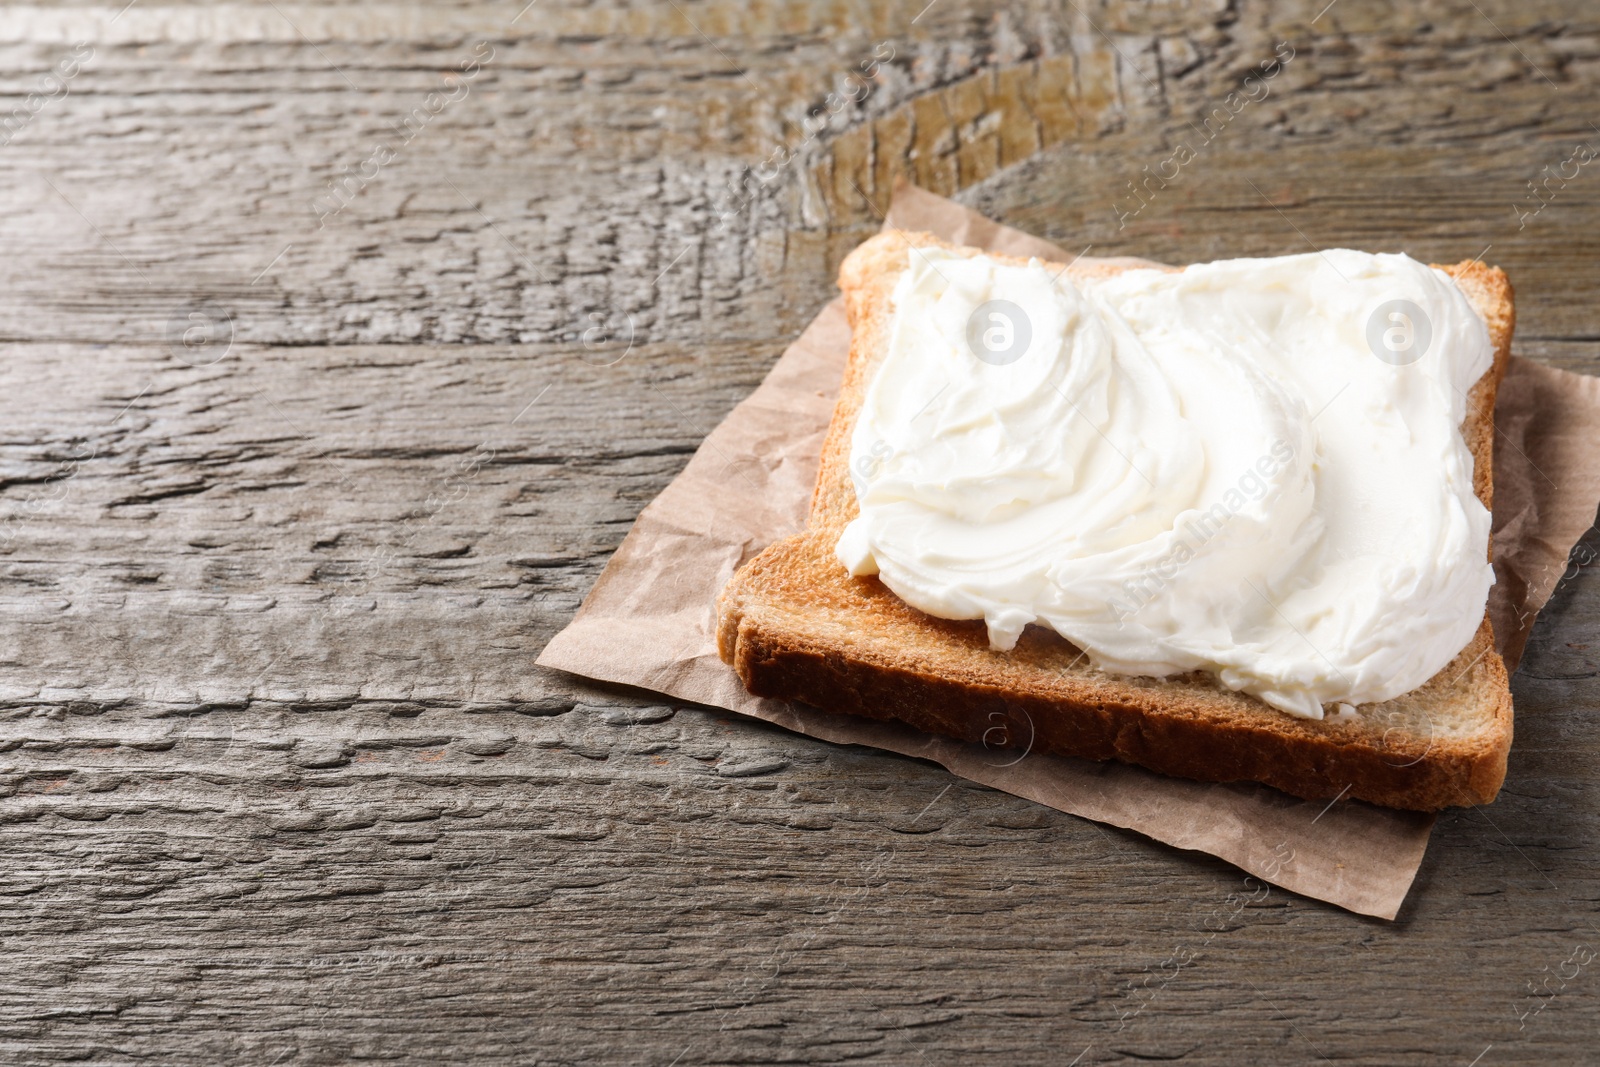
795,625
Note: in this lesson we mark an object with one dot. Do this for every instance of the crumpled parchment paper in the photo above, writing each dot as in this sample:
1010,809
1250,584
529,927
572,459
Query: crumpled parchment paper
650,620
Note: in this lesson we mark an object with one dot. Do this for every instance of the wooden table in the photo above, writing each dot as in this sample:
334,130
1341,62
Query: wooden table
314,434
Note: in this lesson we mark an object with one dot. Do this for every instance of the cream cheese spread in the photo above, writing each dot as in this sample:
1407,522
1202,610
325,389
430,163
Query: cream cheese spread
1252,467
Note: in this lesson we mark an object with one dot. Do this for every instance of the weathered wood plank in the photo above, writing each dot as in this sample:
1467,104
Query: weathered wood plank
607,887
535,226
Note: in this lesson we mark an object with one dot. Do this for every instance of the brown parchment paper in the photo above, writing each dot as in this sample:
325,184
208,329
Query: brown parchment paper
650,620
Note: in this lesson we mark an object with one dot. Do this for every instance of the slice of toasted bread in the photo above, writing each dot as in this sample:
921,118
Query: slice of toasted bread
795,625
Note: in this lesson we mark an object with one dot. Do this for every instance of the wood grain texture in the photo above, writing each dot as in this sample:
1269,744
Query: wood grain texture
280,784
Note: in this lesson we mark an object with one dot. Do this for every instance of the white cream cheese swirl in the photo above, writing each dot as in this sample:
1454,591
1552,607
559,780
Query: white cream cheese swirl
1203,470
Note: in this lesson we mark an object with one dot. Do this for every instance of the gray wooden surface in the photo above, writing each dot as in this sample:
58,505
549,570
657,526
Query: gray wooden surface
290,499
